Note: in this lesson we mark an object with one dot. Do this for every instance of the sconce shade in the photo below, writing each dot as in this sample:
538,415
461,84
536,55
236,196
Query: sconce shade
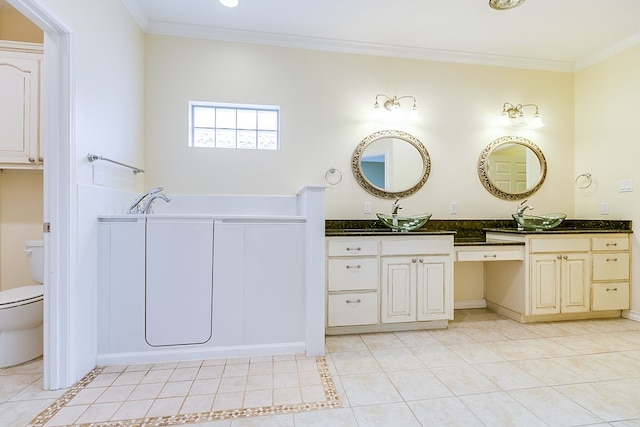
229,3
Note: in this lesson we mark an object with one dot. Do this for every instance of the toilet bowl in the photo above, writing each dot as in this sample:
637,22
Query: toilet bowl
21,311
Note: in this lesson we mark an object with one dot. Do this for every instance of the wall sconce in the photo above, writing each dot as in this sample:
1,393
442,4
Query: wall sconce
229,3
392,104
504,4
513,115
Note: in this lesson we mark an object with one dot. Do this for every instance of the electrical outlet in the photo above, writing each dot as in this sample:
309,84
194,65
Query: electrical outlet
367,207
453,208
604,208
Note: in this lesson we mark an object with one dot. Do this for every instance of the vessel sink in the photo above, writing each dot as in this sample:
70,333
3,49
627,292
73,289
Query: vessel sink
404,223
539,222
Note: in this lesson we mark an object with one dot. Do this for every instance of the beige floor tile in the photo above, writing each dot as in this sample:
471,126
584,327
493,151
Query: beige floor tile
34,366
593,367
312,393
484,334
581,344
418,384
355,362
115,394
208,386
189,364
508,376
437,356
286,380
157,376
342,417
554,408
228,401
600,401
129,378
396,359
232,384
464,379
549,372
500,409
260,368
12,385
309,378
87,396
260,382
98,412
175,389
381,341
258,398
64,417
284,366
337,343
385,415
168,406
446,411
265,421
475,353
133,409
184,374
369,389
416,338
452,336
287,396
196,404
307,364
236,370
146,391
35,391
208,372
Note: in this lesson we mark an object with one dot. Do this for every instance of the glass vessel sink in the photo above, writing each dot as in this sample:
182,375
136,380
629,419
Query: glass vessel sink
404,223
542,222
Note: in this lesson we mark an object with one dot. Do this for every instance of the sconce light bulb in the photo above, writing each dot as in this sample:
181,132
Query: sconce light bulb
413,114
504,120
537,121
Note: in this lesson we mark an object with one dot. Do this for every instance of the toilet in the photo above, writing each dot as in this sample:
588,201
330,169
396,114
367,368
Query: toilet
21,311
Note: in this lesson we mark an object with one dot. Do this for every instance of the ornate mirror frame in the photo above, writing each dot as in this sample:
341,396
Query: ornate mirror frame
356,165
483,167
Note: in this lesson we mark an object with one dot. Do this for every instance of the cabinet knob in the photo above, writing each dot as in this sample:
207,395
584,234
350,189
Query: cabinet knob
413,260
353,301
349,267
559,257
565,257
41,159
32,160
421,260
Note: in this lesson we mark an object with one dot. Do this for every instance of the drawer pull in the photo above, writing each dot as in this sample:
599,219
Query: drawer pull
612,289
358,249
349,267
559,257
353,301
612,259
413,260
490,256
612,244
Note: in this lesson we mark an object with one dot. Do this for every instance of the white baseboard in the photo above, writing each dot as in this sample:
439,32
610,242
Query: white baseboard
470,303
631,315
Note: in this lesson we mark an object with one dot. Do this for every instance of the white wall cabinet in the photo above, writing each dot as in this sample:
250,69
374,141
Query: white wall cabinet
389,282
562,276
20,105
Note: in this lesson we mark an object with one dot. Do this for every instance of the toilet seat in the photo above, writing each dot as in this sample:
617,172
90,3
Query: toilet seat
20,296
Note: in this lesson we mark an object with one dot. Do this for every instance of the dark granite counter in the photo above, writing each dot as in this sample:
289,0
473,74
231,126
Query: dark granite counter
471,231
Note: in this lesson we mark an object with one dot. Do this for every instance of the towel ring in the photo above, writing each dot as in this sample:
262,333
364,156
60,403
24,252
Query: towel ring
583,181
333,176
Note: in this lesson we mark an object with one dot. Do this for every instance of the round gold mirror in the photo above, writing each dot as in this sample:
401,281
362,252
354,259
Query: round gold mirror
391,163
512,168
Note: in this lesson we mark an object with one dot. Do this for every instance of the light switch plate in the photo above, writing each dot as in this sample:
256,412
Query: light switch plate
604,208
625,185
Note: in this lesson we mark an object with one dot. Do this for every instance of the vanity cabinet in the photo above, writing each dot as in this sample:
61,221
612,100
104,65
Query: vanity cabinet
20,106
389,282
562,276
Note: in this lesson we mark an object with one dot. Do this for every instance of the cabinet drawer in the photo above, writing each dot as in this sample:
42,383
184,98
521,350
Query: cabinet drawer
411,246
353,308
352,274
352,247
610,244
514,254
611,266
566,244
610,296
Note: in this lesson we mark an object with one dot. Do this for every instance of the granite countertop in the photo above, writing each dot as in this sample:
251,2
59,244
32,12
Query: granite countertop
472,232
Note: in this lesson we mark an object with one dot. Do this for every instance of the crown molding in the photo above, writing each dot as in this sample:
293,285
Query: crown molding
608,52
343,46
137,13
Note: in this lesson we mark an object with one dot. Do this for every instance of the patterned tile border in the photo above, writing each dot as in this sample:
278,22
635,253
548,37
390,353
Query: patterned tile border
333,401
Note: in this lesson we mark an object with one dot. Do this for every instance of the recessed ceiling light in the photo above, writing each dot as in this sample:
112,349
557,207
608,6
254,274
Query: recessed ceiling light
229,3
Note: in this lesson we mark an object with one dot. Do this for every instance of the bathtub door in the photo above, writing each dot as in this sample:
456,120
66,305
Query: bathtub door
179,281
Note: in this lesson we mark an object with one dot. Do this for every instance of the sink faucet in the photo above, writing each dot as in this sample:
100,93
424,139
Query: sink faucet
396,206
137,206
522,207
146,209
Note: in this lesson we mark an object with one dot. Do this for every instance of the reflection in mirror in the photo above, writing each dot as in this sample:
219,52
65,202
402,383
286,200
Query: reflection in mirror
512,168
390,164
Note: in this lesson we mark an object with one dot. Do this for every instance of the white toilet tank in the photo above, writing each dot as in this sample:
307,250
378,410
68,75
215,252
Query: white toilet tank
35,254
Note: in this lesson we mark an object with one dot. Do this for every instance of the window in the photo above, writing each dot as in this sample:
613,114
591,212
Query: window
252,127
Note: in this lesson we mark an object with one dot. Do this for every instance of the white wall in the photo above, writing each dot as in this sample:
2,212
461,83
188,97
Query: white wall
326,104
608,144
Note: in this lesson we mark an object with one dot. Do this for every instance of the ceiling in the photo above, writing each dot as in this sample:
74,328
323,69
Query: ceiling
558,35
561,35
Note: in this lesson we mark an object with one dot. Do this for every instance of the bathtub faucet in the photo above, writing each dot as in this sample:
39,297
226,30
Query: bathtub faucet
147,205
138,206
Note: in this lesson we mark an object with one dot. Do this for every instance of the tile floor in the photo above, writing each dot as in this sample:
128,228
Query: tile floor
484,370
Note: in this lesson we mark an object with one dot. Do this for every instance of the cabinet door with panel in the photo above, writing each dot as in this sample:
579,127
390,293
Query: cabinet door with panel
434,292
399,281
559,283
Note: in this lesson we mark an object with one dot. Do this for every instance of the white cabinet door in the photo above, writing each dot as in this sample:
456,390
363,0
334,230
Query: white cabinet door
575,283
399,279
434,288
19,107
559,283
179,281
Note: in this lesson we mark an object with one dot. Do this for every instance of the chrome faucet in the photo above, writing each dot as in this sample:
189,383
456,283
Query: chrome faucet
137,206
395,206
146,209
522,207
